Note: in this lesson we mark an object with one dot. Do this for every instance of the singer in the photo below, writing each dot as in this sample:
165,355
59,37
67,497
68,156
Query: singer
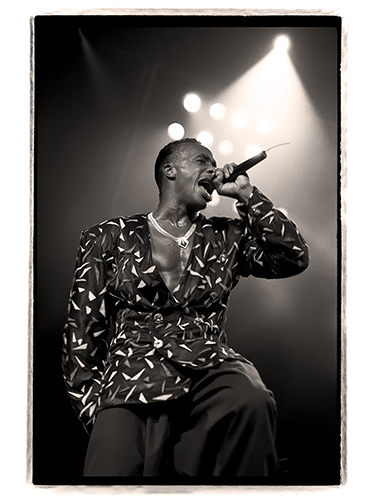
145,355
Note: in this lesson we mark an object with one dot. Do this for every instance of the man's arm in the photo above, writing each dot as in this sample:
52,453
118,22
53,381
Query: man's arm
84,339
271,245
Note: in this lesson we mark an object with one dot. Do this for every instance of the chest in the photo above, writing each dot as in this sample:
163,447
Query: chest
141,265
169,258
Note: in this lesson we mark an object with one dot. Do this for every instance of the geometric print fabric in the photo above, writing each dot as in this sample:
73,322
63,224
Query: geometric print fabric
127,337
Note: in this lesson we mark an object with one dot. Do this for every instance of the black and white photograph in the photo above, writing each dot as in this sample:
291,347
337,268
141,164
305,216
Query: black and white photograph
187,250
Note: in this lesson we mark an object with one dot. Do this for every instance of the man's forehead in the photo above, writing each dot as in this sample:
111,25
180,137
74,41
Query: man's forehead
192,149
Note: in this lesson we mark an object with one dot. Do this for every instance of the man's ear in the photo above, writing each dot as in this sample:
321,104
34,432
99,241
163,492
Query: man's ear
169,171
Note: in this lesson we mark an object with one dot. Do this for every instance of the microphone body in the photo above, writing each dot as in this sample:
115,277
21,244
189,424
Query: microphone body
245,165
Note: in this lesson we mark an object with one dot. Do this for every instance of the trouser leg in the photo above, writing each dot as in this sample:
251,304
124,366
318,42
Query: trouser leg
115,444
128,441
224,427
230,429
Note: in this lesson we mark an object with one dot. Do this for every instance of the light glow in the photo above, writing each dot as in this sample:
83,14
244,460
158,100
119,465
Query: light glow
217,111
266,106
282,42
252,150
206,138
192,103
240,119
225,147
265,125
176,131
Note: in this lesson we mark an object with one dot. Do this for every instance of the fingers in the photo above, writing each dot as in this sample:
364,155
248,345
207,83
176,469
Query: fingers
228,169
219,175
232,189
224,173
240,189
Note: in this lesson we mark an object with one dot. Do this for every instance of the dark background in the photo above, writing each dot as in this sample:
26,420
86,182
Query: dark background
106,88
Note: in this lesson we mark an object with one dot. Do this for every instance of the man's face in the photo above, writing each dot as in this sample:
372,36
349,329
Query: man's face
195,167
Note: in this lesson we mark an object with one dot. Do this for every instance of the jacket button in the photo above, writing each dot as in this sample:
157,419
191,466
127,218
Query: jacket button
222,258
158,318
158,343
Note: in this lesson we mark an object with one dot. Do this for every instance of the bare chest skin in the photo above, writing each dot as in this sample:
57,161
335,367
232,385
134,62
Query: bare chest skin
169,258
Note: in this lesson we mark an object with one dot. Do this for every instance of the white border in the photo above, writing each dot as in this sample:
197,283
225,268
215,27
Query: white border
15,37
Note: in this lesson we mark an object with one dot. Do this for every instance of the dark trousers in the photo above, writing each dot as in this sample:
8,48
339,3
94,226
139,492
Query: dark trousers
224,427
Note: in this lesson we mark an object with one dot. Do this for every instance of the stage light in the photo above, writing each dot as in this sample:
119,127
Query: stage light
205,138
239,119
282,43
225,147
217,111
264,125
192,103
176,131
252,150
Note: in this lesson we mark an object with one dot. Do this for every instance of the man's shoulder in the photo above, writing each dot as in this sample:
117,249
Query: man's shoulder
116,225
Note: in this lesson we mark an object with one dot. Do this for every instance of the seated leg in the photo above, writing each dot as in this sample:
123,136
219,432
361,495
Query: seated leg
230,428
128,441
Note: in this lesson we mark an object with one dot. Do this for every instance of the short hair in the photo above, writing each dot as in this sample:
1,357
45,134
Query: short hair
165,153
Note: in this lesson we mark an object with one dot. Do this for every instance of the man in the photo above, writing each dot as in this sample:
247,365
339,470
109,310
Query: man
146,360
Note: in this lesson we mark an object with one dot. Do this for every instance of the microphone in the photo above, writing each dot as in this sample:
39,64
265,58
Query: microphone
247,164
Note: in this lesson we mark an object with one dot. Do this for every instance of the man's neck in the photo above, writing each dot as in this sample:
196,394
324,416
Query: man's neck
176,214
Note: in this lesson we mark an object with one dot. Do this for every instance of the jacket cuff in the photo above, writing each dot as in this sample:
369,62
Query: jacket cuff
257,205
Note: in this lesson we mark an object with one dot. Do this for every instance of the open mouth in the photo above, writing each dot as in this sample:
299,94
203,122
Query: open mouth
207,188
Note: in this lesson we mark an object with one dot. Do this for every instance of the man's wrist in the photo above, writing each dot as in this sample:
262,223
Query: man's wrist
243,198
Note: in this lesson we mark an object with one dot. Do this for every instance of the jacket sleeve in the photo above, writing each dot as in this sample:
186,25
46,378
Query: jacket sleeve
86,330
271,246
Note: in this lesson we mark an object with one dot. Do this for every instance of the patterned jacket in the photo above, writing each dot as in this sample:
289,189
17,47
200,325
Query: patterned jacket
126,335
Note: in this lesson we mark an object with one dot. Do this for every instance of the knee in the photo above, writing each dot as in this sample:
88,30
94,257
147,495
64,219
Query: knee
249,397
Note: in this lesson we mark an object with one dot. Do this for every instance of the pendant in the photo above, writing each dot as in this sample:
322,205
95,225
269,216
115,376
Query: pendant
183,242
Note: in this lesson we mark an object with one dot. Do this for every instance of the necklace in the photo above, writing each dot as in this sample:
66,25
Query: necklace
178,224
181,241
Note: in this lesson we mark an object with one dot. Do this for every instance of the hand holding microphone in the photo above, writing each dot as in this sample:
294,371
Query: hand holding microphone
239,187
